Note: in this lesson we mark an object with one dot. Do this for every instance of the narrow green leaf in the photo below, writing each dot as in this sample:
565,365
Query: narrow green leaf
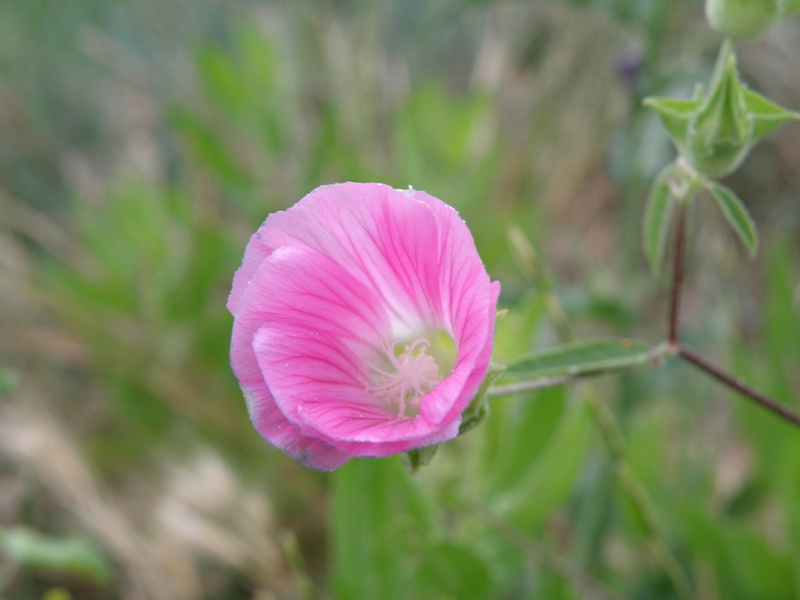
766,115
378,515
527,430
549,479
450,569
657,219
582,358
736,214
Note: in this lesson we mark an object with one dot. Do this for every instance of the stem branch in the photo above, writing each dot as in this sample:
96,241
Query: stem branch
732,382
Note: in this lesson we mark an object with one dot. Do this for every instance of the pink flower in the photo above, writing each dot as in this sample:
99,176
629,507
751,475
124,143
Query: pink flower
363,324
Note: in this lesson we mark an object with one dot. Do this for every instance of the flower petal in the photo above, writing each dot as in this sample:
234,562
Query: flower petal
301,287
449,399
469,303
374,232
320,385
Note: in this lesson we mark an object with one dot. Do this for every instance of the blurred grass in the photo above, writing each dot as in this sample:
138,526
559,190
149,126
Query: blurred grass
141,144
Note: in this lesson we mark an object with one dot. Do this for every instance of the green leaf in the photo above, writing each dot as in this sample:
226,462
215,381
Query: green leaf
657,219
736,214
9,380
379,520
792,6
452,570
743,563
527,429
71,556
581,358
548,481
766,115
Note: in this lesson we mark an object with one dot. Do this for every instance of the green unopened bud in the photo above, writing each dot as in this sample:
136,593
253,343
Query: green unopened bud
714,133
720,131
744,18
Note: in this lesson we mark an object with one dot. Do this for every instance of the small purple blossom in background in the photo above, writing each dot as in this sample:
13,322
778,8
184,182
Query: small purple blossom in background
363,324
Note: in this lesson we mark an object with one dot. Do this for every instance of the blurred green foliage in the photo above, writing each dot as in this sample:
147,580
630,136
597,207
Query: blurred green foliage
154,137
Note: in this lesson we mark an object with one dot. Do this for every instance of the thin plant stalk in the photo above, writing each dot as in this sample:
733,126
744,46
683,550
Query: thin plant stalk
677,273
692,357
730,381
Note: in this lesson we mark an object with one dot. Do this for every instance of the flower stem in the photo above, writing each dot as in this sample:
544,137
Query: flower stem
732,382
677,274
725,378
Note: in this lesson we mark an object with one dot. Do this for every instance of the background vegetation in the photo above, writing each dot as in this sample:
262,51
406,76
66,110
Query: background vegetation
141,143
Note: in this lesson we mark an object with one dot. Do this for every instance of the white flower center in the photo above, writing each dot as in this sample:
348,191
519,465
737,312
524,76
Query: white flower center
409,375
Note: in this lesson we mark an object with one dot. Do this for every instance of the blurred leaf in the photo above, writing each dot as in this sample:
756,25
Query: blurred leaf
531,422
516,329
209,148
9,380
737,215
57,594
745,565
452,570
550,478
71,556
658,218
379,520
581,358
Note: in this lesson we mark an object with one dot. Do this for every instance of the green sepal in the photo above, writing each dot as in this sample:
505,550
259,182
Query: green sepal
478,408
766,115
675,114
737,215
420,457
657,218
473,415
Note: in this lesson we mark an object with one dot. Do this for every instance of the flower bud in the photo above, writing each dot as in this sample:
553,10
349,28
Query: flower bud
744,18
721,131
715,133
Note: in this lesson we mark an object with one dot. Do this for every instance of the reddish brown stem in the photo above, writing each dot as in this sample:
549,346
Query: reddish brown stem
701,363
729,380
677,274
